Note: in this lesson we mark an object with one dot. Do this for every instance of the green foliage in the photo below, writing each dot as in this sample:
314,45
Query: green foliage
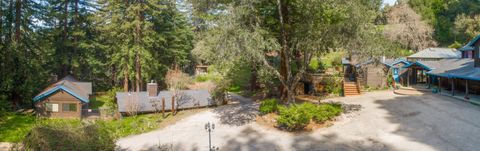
455,45
314,64
333,85
268,106
293,117
201,78
132,125
324,112
296,117
333,59
14,127
442,14
69,136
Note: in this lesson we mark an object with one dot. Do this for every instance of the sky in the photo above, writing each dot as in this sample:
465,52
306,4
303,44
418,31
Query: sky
389,2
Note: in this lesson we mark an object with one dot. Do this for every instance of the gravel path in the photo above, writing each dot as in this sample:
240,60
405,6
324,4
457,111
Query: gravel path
385,122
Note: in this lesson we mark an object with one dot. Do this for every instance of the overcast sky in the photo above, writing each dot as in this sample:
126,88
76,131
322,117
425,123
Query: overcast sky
389,2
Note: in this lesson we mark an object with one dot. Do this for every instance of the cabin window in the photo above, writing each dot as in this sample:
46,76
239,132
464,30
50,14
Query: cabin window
69,107
52,107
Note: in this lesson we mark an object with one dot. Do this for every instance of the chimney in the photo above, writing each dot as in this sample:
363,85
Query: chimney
53,78
152,89
476,57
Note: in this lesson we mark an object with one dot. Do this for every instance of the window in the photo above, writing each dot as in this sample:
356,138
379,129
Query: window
51,107
69,107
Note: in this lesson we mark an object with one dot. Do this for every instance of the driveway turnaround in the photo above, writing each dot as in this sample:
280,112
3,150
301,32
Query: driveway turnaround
385,122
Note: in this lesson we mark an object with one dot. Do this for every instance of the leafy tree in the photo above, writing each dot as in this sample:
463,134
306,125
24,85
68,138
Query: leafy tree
292,31
406,27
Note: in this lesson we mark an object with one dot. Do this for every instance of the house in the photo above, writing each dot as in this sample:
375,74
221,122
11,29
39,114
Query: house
371,73
454,72
153,101
435,54
64,99
468,51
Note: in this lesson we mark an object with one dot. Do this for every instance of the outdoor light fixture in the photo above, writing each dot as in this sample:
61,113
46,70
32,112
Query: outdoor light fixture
209,128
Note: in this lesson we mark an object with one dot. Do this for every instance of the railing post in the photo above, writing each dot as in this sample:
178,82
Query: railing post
163,106
173,105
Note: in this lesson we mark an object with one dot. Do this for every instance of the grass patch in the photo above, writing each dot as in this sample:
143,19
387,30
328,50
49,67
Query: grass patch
14,127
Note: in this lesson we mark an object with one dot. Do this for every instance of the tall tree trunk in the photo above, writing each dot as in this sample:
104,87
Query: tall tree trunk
137,72
138,41
75,25
65,67
18,15
125,72
9,23
285,70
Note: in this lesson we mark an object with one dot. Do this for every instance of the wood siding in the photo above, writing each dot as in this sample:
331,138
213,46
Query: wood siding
60,98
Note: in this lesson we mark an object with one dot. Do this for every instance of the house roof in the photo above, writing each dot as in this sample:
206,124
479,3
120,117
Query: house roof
392,62
143,103
470,45
456,68
79,90
437,53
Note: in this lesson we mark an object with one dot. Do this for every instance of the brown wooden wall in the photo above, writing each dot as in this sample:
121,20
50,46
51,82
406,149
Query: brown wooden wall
59,97
373,75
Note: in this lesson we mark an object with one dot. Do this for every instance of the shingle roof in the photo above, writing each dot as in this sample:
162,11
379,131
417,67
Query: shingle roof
457,68
391,62
143,103
469,45
438,53
80,90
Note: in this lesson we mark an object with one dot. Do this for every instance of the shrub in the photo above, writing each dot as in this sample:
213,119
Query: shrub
201,78
297,117
69,136
268,106
324,112
333,85
293,118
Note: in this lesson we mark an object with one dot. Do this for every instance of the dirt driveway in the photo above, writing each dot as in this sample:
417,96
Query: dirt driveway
385,122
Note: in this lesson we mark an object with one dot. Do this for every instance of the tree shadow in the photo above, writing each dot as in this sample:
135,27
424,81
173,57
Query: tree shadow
250,139
237,114
242,112
440,122
333,142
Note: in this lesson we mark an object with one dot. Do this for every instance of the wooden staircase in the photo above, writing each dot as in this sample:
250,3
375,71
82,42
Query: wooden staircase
350,88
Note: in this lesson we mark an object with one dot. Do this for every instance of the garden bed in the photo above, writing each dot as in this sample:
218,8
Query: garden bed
298,117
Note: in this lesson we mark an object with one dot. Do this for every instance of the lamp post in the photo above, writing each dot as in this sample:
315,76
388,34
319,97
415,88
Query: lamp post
210,127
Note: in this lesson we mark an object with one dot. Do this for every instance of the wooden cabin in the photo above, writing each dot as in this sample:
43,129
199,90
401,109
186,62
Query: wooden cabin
63,99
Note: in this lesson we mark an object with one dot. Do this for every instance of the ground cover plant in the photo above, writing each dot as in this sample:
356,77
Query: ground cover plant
268,106
296,117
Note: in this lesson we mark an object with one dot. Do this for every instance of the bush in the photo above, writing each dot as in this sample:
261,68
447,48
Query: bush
296,117
333,85
268,106
293,117
201,78
326,112
69,136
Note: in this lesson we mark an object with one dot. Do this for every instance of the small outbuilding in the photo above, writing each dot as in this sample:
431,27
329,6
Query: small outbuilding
63,99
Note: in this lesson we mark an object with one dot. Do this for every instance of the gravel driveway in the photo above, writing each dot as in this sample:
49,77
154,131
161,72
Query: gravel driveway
385,122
